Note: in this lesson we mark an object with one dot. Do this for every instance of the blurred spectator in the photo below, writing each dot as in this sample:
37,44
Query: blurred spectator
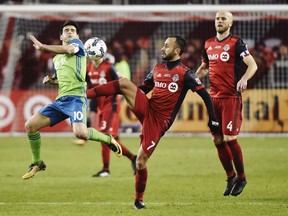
279,69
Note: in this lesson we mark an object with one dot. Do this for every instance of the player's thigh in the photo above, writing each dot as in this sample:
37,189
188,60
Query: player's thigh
231,116
36,122
129,91
110,122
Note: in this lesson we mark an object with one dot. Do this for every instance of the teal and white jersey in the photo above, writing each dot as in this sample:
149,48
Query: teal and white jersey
70,70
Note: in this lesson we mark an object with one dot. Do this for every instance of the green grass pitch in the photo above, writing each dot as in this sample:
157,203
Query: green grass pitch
185,178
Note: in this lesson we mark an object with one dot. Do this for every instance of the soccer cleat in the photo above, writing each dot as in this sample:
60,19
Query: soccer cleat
139,204
80,142
102,173
238,187
33,168
134,165
115,146
230,184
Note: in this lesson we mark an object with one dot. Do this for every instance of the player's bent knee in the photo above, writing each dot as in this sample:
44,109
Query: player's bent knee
81,135
124,83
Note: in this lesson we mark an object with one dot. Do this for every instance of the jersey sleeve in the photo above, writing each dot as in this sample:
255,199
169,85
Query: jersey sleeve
192,81
241,49
204,55
114,73
148,83
79,45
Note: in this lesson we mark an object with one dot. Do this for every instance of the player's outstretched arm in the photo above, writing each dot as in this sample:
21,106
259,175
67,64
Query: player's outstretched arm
59,49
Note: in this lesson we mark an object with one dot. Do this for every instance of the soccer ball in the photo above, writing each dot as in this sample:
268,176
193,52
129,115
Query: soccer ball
95,48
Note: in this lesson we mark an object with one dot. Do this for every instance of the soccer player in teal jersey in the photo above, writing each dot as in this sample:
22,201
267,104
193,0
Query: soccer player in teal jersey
71,102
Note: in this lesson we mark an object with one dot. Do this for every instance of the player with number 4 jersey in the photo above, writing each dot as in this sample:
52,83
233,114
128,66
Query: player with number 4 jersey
222,59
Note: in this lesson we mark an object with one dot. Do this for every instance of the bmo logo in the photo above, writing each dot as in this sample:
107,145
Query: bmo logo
224,56
213,56
160,84
173,87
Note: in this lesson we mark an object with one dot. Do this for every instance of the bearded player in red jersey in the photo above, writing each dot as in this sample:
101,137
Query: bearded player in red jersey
222,58
170,82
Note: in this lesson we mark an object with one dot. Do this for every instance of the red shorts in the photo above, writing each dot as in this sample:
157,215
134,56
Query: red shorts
153,127
229,114
109,122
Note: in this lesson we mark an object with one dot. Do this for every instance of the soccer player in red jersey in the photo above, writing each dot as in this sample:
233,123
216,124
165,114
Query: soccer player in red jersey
100,71
222,58
170,82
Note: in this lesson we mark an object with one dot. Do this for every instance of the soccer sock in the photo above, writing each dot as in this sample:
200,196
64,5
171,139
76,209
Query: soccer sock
140,183
225,157
35,145
126,152
95,135
105,157
237,158
110,88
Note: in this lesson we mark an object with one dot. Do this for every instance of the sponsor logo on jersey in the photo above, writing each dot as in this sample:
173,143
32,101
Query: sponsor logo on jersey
213,56
218,47
167,75
173,87
224,56
160,84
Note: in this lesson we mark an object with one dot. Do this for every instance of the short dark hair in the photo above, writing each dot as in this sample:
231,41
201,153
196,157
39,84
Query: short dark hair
181,43
70,22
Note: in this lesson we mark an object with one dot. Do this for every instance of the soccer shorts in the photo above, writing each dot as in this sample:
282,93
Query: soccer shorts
153,127
73,107
229,114
109,122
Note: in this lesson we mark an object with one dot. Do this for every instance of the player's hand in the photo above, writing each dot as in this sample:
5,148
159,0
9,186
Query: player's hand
214,126
241,85
37,44
50,80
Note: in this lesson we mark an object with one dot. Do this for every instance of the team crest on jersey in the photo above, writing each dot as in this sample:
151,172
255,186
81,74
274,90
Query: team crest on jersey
226,47
175,78
224,56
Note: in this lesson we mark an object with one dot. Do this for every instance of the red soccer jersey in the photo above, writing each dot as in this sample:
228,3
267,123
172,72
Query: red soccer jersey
169,88
224,59
101,75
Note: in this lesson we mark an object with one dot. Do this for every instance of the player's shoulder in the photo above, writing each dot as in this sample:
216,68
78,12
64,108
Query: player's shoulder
212,39
236,37
75,40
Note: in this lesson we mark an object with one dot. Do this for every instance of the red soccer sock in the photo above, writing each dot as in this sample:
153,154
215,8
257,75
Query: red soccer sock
110,88
237,157
140,183
225,157
126,152
105,157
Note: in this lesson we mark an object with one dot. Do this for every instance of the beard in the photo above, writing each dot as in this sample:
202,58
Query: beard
221,30
167,57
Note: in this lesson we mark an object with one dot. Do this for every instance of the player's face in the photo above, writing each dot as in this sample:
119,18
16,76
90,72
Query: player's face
170,51
69,32
223,21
